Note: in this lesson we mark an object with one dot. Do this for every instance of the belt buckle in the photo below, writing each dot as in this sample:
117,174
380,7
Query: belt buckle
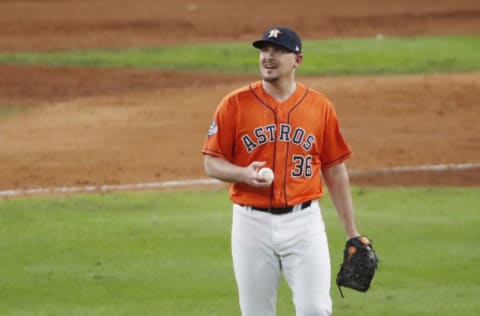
283,210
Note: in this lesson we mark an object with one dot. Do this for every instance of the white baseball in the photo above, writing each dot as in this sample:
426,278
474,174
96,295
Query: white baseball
266,173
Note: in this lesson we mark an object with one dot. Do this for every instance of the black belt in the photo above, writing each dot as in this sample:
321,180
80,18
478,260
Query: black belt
281,210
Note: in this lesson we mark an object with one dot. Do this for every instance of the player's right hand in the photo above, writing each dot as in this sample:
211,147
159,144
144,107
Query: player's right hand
251,176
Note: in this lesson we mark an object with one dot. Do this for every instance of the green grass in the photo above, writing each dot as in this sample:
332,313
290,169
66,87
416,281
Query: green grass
168,254
390,55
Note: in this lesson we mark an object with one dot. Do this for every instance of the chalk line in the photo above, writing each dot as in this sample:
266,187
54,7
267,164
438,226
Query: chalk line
109,188
195,182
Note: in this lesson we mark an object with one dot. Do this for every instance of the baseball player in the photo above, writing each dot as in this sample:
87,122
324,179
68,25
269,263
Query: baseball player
277,227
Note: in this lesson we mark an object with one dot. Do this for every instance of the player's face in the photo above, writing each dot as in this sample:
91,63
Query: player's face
277,62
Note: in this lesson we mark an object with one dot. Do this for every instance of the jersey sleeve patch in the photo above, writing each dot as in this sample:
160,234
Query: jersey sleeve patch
213,129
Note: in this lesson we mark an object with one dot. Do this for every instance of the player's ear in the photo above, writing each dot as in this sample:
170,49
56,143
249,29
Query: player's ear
298,60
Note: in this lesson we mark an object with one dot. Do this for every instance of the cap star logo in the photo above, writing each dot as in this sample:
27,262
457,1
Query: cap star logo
274,33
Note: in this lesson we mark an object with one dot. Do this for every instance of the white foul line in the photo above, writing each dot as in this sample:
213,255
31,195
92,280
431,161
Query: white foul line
109,188
194,182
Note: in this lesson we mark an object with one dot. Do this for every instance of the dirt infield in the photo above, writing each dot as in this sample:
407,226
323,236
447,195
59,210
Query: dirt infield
81,126
65,24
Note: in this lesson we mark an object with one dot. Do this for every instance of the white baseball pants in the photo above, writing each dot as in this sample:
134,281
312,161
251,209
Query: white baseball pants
265,246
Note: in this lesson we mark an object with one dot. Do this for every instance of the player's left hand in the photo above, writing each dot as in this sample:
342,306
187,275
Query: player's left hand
359,264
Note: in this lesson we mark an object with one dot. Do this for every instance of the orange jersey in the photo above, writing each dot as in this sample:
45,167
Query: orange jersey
296,138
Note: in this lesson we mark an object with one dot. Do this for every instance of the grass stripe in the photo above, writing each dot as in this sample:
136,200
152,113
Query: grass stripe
389,55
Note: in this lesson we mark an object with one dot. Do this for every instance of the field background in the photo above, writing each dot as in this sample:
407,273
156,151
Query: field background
76,126
72,125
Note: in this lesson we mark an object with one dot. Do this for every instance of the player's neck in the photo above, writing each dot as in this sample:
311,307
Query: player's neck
280,90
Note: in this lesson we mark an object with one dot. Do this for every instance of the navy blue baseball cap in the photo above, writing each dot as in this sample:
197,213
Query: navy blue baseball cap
281,36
